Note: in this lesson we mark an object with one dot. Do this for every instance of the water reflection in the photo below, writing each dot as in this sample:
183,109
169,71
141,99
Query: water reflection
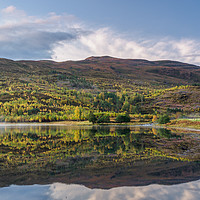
58,191
97,156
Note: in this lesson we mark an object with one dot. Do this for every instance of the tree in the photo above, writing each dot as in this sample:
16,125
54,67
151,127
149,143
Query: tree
123,118
163,119
154,119
126,106
92,118
78,113
103,119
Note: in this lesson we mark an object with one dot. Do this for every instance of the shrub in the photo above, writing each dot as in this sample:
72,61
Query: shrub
163,119
103,119
123,118
92,118
33,111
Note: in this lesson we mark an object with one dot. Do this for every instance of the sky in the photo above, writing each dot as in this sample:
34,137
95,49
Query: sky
76,29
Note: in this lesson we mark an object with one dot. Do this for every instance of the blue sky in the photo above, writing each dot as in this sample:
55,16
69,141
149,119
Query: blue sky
76,29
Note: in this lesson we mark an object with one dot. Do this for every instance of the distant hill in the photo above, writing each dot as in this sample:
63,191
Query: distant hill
135,70
98,69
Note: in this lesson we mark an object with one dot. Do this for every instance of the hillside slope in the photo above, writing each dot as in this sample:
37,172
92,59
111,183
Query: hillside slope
126,72
53,91
134,70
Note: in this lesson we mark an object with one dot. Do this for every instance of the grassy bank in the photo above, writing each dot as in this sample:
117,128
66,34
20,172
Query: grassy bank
186,123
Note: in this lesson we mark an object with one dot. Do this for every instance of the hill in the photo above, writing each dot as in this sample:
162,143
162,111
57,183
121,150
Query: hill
52,91
135,71
124,72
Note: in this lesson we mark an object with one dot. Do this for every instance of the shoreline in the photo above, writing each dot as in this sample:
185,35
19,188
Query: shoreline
86,123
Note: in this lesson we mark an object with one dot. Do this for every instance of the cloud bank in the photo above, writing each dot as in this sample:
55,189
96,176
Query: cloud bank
63,37
29,37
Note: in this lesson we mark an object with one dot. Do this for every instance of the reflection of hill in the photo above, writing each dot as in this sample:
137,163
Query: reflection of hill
99,156
139,173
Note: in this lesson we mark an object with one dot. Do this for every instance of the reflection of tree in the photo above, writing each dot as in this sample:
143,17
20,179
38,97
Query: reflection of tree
165,133
92,132
77,135
50,145
103,130
100,130
123,131
138,142
108,144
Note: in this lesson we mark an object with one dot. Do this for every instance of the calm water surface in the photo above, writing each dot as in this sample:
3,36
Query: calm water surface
98,162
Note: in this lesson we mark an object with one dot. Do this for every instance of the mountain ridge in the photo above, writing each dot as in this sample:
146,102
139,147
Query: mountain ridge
104,58
164,72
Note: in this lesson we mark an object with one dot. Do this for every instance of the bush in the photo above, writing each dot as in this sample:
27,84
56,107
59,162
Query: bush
92,118
103,119
164,133
163,119
123,118
33,111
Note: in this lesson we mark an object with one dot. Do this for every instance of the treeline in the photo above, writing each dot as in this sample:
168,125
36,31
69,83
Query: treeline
45,102
119,102
105,118
46,99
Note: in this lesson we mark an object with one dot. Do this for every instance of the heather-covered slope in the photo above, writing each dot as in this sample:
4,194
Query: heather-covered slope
53,91
125,71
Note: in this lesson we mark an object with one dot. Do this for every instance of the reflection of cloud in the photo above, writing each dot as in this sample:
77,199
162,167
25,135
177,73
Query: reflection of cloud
59,191
63,37
35,192
187,191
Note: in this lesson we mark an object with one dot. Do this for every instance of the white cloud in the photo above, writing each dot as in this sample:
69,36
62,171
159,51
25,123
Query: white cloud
30,37
63,37
9,9
105,42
